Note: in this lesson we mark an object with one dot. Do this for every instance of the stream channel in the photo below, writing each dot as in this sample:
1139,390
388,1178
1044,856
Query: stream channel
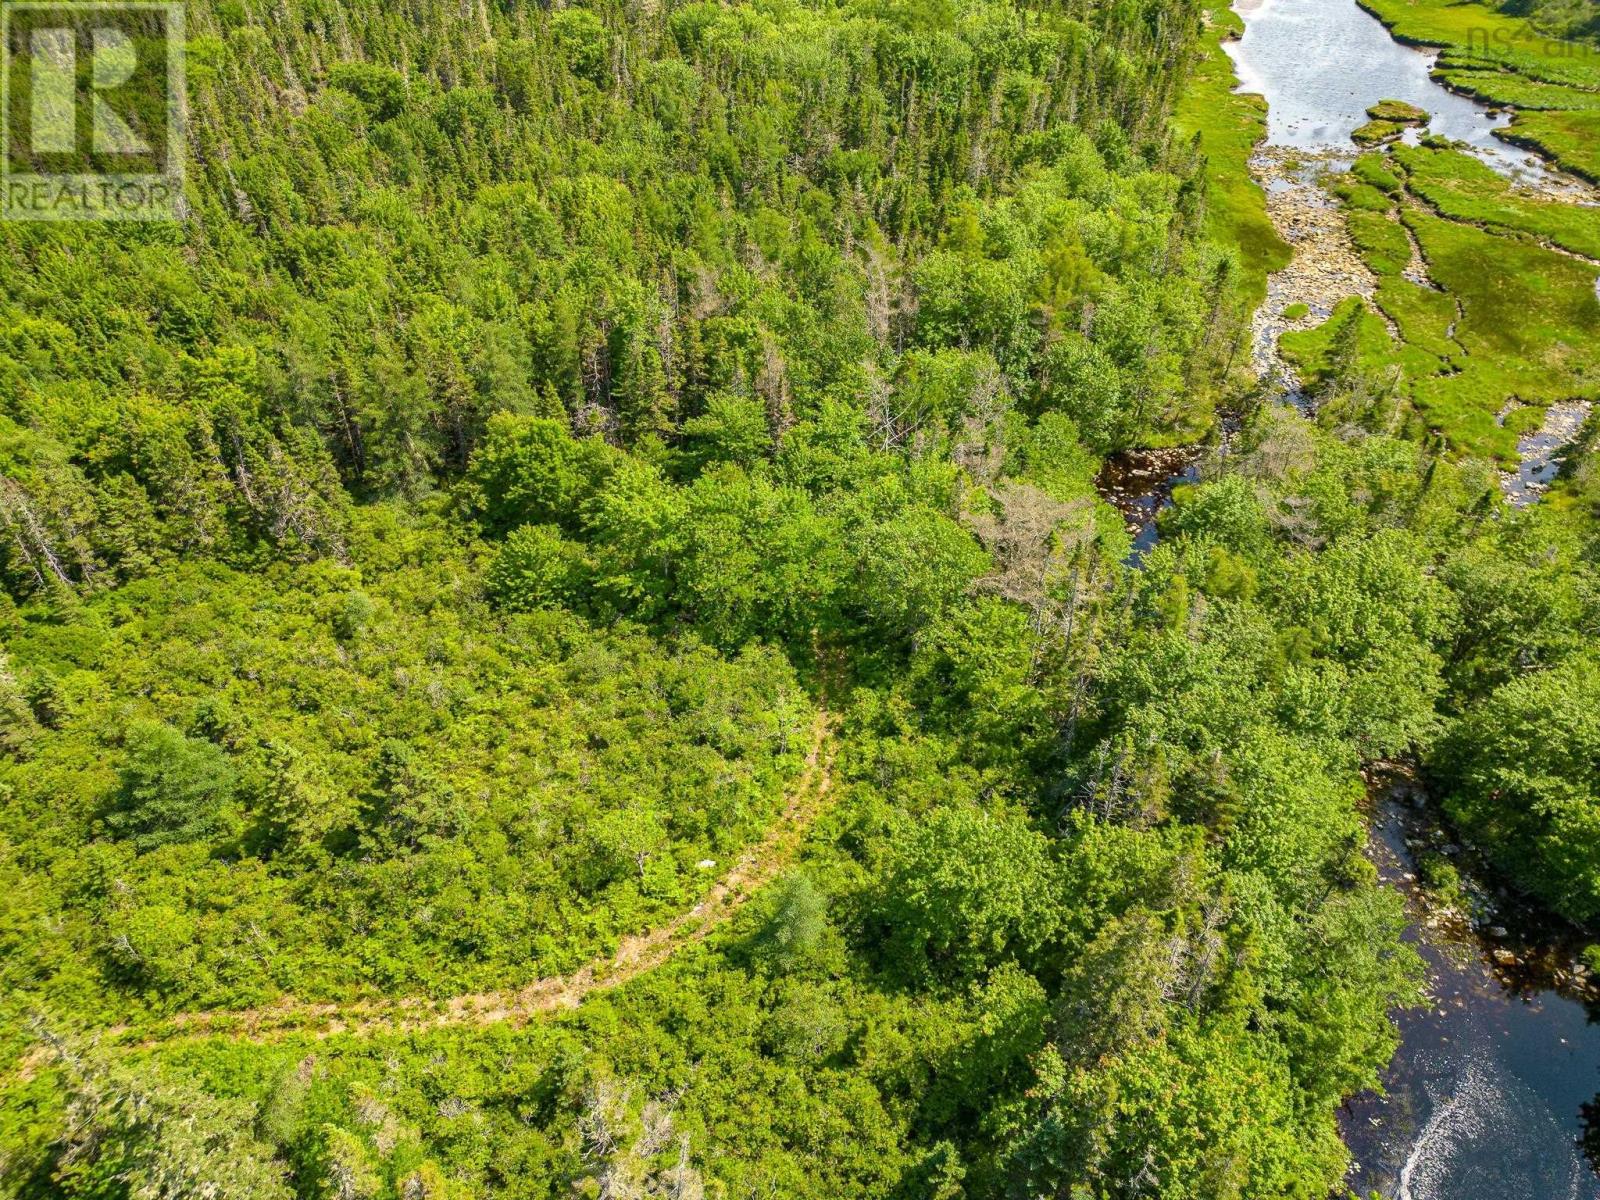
1492,1091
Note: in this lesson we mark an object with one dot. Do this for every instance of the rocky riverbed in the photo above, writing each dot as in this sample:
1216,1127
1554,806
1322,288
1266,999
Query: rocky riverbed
1326,267
1542,451
1139,483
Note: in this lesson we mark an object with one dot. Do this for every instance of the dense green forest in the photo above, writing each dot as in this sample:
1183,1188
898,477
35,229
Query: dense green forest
559,439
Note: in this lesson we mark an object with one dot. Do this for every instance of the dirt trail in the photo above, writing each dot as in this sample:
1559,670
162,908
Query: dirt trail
635,955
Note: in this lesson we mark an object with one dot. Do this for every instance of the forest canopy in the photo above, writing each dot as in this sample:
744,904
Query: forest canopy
573,464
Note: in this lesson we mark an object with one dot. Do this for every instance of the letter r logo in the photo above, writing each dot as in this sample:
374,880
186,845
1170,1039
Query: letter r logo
115,60
55,91
92,109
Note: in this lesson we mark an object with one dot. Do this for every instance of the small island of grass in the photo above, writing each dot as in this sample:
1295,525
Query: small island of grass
1398,111
1390,118
1377,133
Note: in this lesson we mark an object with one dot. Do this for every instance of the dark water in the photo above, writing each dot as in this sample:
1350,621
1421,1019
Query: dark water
1139,483
1488,1096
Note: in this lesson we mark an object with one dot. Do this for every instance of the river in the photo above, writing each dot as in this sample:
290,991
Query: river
1490,1093
1321,63
1139,485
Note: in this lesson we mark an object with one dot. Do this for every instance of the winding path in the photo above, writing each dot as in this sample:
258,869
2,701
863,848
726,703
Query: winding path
636,954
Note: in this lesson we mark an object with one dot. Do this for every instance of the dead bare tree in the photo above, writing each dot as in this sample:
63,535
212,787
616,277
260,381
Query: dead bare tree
1033,539
624,1150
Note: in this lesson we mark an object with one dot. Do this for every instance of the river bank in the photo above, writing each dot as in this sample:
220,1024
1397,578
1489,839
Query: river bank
1492,1094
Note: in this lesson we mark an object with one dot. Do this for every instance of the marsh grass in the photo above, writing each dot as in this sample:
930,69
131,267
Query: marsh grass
1504,60
1461,187
1508,323
1229,126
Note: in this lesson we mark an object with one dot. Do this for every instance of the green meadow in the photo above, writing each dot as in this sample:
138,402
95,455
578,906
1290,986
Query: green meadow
1506,320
